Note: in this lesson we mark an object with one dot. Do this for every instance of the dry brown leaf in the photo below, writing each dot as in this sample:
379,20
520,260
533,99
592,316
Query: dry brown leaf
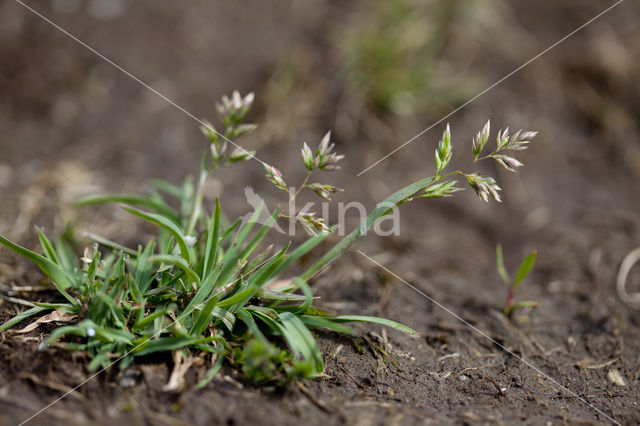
55,316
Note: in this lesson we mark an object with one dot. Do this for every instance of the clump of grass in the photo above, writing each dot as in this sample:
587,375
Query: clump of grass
203,287
523,271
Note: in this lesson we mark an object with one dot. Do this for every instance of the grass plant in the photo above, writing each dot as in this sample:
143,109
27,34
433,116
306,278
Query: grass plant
204,287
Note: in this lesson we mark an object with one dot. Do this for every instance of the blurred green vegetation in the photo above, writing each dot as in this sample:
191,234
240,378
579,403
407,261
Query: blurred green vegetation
393,54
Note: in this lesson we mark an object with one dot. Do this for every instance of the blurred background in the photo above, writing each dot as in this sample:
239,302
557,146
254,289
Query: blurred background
376,73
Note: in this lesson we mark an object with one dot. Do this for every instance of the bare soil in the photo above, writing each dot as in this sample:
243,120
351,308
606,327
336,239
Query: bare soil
71,124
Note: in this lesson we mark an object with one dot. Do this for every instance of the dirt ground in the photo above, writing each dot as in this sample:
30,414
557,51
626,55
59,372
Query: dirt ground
71,124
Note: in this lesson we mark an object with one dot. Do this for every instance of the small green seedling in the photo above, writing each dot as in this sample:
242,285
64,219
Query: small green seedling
525,268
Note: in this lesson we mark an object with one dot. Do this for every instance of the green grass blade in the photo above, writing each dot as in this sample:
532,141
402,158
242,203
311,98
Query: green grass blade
93,266
64,307
134,200
260,276
519,305
144,272
375,320
244,294
211,248
57,275
66,256
279,296
141,324
308,295
381,210
111,244
102,334
116,313
109,334
300,340
176,261
227,318
230,258
165,344
525,268
264,314
303,249
47,247
228,231
257,280
24,315
168,225
204,316
500,265
208,285
251,246
203,292
320,322
246,317
169,188
74,330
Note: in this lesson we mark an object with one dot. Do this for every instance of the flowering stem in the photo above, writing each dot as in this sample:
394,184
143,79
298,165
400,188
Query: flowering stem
292,197
382,209
460,171
303,184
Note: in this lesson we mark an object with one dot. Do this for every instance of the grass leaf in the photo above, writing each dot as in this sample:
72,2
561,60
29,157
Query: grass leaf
134,200
525,268
211,248
57,275
500,265
204,316
300,340
376,320
167,225
47,247
381,210
176,261
166,344
22,316
105,242
321,322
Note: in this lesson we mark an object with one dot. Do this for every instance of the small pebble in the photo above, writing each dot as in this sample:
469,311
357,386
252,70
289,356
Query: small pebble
463,377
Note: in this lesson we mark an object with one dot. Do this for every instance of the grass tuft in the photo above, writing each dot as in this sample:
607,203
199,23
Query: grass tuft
202,286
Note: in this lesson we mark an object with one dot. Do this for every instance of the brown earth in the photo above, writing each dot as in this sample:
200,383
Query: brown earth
71,124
